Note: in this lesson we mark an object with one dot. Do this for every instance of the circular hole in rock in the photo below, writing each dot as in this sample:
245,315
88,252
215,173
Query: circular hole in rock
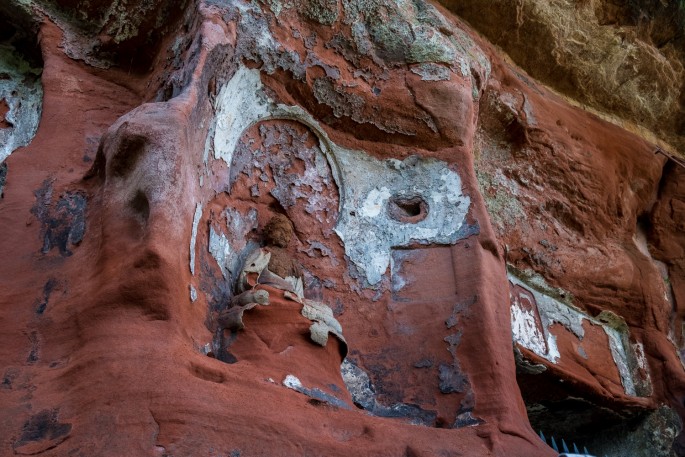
410,210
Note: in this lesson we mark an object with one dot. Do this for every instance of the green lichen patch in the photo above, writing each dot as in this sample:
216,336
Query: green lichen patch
405,31
324,12
500,199
538,282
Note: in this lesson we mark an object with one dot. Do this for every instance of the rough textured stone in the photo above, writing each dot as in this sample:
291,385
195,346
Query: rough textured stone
444,205
624,58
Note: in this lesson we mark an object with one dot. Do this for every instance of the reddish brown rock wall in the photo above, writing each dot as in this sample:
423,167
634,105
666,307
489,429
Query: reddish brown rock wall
416,167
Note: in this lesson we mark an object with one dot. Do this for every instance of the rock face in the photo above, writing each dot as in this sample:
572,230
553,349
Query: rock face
503,262
623,58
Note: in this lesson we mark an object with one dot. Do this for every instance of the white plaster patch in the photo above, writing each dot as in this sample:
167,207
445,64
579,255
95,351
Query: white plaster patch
365,184
292,382
527,333
621,358
240,103
375,201
193,236
365,226
220,249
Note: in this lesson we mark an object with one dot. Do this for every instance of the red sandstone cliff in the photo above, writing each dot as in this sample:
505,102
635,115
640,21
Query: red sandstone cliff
496,253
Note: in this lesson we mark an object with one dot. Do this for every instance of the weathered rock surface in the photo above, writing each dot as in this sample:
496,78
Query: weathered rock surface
443,205
622,58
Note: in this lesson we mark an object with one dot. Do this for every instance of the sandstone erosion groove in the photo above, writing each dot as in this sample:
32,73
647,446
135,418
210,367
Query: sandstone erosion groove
317,228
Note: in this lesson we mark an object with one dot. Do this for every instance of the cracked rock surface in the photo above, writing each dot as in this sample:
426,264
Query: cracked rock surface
442,202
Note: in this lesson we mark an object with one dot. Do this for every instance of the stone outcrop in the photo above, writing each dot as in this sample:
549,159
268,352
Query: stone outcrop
501,260
623,59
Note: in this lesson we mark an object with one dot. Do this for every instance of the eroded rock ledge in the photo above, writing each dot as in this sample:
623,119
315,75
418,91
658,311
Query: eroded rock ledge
440,206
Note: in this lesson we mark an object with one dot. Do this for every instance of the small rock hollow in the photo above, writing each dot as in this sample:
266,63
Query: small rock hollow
410,210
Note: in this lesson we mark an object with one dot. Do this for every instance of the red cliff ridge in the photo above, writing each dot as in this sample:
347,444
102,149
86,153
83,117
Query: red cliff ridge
355,228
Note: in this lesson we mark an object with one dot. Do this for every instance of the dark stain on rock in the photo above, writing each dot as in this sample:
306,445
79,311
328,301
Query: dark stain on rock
140,204
460,309
415,414
4,109
465,417
131,149
217,289
63,222
466,230
33,355
48,288
423,363
365,398
452,378
3,178
338,308
41,432
8,379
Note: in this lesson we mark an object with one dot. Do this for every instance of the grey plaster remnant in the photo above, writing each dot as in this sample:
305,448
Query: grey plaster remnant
553,311
324,251
239,104
313,60
622,351
348,104
452,378
193,236
315,184
363,395
411,31
220,249
324,12
359,385
324,323
193,294
523,365
208,145
528,111
256,43
537,282
342,102
581,352
22,92
365,184
431,72
292,382
239,225
365,226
